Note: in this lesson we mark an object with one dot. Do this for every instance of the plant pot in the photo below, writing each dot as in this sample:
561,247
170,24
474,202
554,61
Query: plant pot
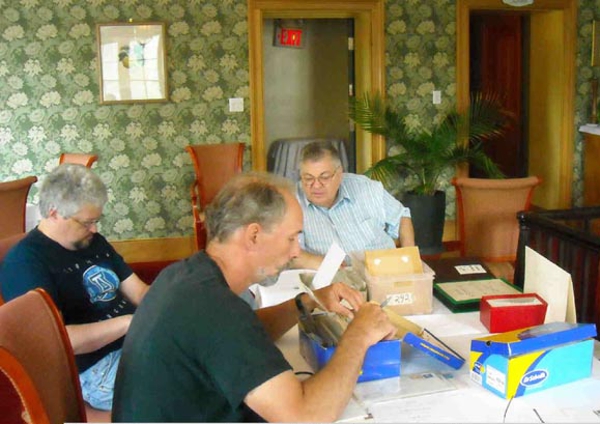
428,216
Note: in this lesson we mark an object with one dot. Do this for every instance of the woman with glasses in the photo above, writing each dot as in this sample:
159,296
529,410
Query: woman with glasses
350,209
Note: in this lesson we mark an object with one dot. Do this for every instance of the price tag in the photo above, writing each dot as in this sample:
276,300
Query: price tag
399,299
470,269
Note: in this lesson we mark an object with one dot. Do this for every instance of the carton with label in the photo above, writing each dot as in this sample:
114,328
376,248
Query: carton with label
526,361
398,278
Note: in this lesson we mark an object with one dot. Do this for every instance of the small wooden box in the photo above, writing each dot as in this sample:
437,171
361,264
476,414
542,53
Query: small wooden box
508,312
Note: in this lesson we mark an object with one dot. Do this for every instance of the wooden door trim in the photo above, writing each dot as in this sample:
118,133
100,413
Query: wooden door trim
569,9
370,61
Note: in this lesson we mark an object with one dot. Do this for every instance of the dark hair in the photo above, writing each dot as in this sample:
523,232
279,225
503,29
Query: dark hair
248,198
317,150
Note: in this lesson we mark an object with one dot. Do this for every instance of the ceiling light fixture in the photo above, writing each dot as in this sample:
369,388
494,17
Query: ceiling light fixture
517,3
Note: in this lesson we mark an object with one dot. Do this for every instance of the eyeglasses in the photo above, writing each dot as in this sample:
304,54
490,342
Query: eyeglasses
86,224
323,179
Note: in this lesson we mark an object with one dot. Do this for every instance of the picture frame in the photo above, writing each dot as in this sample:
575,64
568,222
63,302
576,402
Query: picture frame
132,62
596,43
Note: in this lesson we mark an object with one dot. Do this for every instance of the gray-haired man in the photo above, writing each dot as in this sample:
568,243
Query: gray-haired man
94,289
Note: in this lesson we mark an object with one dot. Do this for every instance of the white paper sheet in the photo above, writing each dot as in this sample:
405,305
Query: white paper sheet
330,265
553,284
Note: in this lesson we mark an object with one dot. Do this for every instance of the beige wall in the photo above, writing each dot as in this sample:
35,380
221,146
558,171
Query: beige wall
306,92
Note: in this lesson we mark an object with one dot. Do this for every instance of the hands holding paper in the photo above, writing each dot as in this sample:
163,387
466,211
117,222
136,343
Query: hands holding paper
370,325
331,297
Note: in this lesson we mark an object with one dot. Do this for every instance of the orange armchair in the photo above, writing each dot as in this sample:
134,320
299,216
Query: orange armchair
78,158
38,377
214,165
487,215
13,198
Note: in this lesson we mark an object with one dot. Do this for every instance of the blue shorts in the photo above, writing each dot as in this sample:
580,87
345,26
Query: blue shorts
98,381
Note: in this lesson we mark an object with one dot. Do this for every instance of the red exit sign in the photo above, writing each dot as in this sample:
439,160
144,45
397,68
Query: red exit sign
288,37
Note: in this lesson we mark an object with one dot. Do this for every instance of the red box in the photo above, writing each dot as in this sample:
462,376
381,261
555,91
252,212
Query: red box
508,312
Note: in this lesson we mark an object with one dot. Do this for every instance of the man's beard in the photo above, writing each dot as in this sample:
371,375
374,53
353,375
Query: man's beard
266,280
82,244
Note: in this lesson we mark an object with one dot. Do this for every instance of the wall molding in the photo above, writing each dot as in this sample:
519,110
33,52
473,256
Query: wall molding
155,249
174,248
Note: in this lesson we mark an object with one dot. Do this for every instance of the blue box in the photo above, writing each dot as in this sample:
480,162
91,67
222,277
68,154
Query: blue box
432,346
528,360
381,361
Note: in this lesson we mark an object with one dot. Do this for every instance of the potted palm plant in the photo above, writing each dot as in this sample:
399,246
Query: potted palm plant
423,156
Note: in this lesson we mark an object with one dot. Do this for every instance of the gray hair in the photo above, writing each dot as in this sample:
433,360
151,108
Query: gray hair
68,188
248,198
319,149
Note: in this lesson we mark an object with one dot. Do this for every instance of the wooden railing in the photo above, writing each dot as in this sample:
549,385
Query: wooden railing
570,239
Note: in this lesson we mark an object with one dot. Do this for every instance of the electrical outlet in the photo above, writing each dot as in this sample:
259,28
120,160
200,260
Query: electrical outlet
236,104
437,97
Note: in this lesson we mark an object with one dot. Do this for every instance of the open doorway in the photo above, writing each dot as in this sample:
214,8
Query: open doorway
369,49
549,110
309,83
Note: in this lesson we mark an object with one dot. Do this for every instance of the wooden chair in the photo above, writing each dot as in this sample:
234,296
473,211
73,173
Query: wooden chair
13,198
214,165
487,218
79,158
38,377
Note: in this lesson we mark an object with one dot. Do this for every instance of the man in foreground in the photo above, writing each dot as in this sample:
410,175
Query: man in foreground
94,289
350,209
197,352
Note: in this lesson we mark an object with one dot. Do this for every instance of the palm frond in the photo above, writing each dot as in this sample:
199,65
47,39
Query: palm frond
426,154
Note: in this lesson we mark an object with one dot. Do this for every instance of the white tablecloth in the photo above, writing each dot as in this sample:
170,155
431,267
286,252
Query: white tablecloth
466,402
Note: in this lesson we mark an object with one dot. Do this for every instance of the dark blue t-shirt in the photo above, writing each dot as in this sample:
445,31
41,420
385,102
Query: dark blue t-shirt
84,283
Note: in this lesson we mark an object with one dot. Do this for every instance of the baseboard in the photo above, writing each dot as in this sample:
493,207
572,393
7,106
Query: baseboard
174,248
155,249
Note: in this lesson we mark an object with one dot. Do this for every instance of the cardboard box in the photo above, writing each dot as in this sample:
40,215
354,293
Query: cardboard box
526,361
405,294
381,361
509,312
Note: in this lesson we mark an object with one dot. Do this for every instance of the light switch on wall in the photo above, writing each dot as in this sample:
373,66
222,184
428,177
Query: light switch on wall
437,97
236,104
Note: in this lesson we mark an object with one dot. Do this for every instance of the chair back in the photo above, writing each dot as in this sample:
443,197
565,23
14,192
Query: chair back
84,159
38,377
13,203
487,215
214,165
5,245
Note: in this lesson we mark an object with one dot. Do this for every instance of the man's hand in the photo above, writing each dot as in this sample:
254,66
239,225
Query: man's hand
332,295
370,325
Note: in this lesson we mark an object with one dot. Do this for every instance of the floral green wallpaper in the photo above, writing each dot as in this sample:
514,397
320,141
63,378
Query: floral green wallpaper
49,94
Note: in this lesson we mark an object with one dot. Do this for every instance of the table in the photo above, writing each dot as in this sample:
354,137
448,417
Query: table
466,402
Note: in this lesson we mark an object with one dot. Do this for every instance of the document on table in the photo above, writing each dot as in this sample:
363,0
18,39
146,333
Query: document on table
462,291
409,385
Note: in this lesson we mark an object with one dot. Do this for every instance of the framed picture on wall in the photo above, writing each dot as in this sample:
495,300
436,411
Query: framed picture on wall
132,62
596,43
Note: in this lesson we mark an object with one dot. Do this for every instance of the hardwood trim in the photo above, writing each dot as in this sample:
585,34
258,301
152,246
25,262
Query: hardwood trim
175,248
155,249
370,61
